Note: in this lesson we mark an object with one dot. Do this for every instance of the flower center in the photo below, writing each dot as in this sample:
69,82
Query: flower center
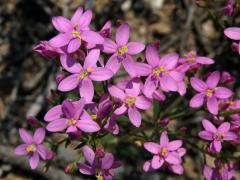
122,50
31,148
130,100
156,71
84,73
76,34
164,151
218,137
94,116
72,122
191,56
209,92
99,177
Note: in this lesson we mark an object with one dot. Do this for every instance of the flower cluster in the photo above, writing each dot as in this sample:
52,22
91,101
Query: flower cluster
92,63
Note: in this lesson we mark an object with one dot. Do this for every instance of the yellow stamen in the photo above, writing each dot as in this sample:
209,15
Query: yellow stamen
122,50
99,177
94,116
164,151
72,122
193,53
75,24
209,92
156,71
84,73
89,70
130,100
191,59
161,68
31,148
76,34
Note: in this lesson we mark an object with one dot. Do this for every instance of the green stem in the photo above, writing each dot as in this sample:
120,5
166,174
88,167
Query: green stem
229,112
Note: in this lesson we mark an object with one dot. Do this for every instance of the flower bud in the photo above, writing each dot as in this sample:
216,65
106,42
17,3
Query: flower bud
70,168
32,120
164,122
100,152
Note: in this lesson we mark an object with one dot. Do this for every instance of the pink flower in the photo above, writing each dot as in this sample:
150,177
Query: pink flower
82,77
122,50
209,91
46,50
192,60
99,163
73,31
161,72
235,105
32,146
70,116
222,171
168,152
216,135
234,34
228,9
131,101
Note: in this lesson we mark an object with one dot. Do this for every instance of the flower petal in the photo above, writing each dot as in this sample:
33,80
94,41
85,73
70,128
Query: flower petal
212,105
152,147
217,146
206,135
198,84
232,33
42,151
39,135
54,113
85,19
92,37
177,169
86,89
89,154
197,100
113,64
69,83
143,69
135,48
213,79
157,162
173,158
152,56
34,160
147,166
222,93
60,40
164,139
77,15
107,161
204,60
68,109
121,110
149,87
21,150
209,126
116,92
62,24
169,61
168,83
130,66
109,46
208,172
25,136
143,103
229,136
70,64
101,74
57,125
134,116
174,145
74,45
122,34
91,59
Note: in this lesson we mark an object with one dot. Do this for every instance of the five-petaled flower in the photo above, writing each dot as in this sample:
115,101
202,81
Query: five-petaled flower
73,31
216,135
33,146
209,91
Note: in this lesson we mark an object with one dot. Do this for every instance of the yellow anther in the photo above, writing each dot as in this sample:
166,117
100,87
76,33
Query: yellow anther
164,151
130,100
191,59
31,148
72,122
83,74
75,24
94,116
193,53
76,34
156,71
161,68
209,92
122,50
99,177
89,70
216,88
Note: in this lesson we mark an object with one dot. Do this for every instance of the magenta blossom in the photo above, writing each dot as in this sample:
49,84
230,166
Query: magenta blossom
222,171
235,105
227,10
161,72
122,50
131,101
46,50
192,60
234,34
82,76
100,164
70,116
209,91
168,152
33,146
216,135
73,31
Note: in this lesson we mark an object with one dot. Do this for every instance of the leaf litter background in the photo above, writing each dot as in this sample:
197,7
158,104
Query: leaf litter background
26,78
